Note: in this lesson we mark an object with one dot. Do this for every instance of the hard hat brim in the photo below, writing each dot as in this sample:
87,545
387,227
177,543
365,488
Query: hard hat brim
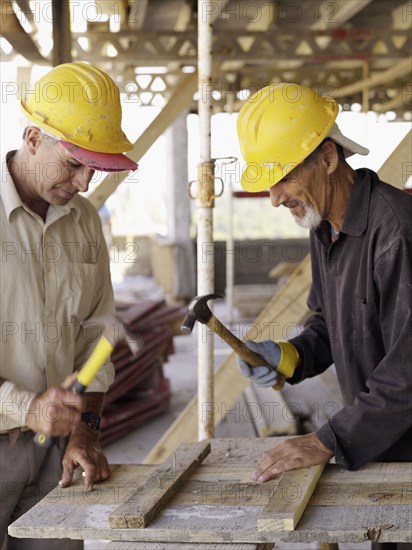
103,162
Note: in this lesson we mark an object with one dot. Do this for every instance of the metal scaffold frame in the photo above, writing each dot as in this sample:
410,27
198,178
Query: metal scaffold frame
205,204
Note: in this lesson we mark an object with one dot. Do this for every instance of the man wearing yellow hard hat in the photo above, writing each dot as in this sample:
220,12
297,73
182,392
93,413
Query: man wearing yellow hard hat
361,251
54,276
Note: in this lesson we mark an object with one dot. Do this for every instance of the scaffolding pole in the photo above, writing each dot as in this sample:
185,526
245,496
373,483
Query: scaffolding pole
205,204
230,252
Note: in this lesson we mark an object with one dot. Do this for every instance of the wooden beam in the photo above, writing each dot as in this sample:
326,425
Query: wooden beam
286,309
25,8
142,506
119,545
289,499
181,98
138,14
393,103
278,420
344,12
397,168
402,68
13,32
62,38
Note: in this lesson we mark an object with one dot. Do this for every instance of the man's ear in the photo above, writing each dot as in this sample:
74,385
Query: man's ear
331,155
33,138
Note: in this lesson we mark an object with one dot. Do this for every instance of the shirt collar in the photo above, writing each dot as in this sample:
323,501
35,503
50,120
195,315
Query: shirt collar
11,199
56,212
355,221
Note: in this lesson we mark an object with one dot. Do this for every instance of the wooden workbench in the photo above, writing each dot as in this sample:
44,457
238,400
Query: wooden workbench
220,504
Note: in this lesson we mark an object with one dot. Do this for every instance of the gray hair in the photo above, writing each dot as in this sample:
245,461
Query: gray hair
48,138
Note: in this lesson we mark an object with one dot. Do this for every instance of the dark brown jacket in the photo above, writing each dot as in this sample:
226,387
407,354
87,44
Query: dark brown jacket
362,298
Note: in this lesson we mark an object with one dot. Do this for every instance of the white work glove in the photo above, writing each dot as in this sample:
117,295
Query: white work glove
263,376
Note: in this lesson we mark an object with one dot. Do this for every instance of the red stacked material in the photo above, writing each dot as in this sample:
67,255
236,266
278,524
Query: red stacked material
140,390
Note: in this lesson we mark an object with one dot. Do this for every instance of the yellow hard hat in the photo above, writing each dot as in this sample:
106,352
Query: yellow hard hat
278,127
79,104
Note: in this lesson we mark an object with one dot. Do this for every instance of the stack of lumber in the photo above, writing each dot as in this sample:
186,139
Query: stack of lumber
140,390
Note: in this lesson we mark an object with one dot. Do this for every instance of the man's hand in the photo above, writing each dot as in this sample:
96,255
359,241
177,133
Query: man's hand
263,376
283,358
83,450
55,411
298,452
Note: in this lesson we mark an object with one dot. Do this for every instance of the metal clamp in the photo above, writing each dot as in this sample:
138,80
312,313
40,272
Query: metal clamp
206,192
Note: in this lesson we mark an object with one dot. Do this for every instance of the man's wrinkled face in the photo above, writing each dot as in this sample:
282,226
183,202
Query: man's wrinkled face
304,191
51,174
62,176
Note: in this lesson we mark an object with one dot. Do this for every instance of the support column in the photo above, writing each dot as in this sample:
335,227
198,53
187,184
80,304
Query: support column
62,39
178,210
204,206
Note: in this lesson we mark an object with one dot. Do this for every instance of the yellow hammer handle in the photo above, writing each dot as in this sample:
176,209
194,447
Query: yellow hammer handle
96,360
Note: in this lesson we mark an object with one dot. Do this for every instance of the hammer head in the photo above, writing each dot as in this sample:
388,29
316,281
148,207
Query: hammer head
197,310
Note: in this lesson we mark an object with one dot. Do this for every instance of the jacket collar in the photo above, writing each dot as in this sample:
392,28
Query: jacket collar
355,221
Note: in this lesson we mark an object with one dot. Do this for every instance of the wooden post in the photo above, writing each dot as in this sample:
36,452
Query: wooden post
62,39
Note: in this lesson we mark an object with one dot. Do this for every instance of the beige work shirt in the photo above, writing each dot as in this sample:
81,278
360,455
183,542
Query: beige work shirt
54,275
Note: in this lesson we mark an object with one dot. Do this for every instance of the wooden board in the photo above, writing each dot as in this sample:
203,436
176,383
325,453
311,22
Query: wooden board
220,504
269,412
118,545
282,269
396,168
288,501
276,322
142,506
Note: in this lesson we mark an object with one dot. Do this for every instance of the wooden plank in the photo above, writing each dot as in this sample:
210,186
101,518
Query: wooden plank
251,299
269,412
139,509
282,269
366,494
398,70
276,322
237,422
397,167
220,504
289,499
220,524
118,545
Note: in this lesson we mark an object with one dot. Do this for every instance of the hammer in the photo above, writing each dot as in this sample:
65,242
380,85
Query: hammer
113,332
198,310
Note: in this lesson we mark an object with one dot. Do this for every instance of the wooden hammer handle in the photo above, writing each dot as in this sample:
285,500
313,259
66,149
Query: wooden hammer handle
240,348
